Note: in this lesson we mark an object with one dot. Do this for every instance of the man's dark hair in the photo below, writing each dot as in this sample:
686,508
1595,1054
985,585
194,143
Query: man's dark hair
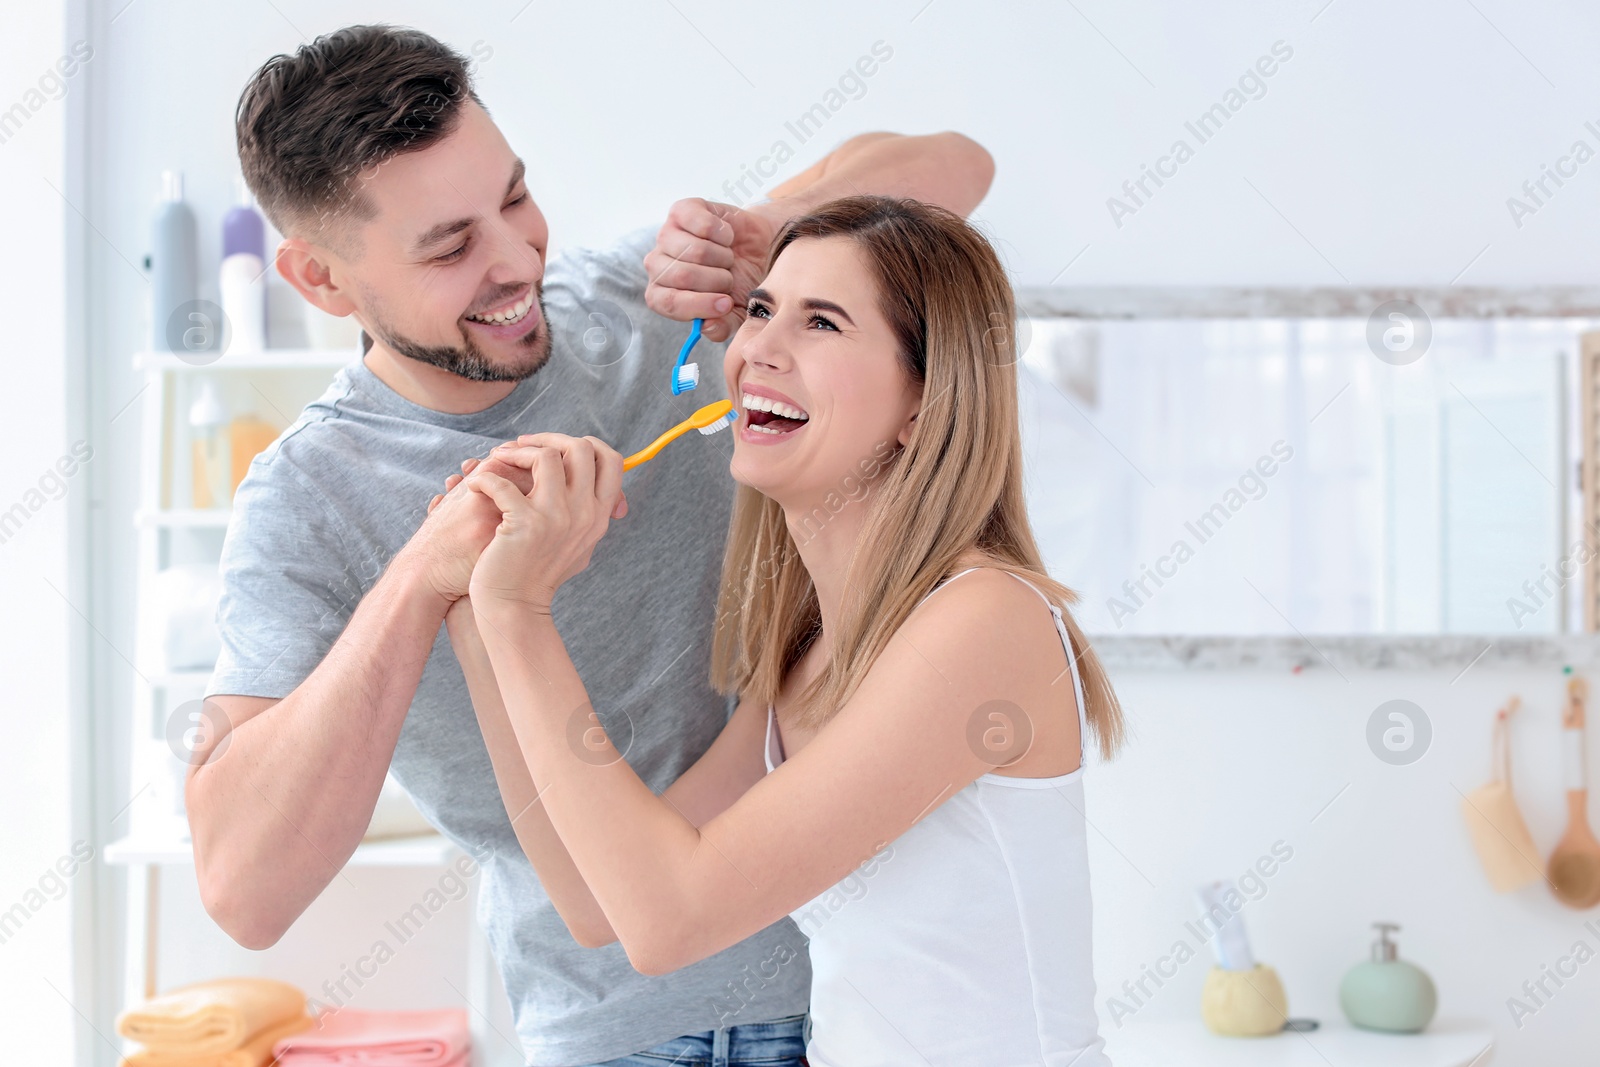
311,125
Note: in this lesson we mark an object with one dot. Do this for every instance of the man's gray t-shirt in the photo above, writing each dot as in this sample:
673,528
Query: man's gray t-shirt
324,509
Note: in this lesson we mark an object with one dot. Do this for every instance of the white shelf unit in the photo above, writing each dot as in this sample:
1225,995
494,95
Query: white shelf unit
425,850
182,518
278,384
271,359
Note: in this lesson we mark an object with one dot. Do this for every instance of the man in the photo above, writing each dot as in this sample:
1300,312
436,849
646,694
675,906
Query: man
401,203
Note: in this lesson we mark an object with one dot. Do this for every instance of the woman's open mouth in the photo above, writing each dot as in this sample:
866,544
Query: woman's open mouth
768,419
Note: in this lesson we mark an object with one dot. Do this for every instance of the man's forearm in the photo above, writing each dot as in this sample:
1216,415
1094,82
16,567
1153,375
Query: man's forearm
690,272
285,796
947,169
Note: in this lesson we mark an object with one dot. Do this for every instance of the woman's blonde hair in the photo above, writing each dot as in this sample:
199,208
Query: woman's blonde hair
956,485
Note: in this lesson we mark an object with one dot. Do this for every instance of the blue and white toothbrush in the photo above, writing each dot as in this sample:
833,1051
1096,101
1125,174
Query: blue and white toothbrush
685,376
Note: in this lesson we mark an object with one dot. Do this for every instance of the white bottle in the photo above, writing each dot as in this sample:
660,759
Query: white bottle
211,456
244,276
244,293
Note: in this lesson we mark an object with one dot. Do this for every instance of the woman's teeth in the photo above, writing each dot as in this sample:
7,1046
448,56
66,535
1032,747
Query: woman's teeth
777,407
766,415
506,316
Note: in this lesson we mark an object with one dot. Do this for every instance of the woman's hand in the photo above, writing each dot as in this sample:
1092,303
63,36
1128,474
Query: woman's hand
547,534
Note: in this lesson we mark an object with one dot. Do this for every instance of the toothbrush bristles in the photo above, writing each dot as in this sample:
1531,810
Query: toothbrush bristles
721,424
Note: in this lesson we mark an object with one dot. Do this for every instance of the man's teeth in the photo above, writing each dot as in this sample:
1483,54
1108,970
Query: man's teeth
506,316
777,407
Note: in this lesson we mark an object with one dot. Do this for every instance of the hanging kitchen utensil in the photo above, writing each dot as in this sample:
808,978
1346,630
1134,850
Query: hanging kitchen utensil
1575,864
1506,849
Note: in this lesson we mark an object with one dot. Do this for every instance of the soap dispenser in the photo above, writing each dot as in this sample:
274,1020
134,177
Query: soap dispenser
1387,993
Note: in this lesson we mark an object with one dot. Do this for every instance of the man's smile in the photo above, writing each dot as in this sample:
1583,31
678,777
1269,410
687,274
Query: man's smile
510,321
508,313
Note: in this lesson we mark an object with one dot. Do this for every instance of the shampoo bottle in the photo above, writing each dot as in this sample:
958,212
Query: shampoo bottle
174,272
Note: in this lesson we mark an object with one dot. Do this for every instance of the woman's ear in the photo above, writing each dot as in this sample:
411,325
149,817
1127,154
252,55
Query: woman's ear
916,393
904,436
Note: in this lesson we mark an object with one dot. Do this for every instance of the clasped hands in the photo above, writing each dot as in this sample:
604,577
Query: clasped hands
511,528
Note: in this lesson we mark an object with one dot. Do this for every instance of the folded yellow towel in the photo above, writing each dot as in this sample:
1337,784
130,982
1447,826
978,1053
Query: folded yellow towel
256,1052
208,1018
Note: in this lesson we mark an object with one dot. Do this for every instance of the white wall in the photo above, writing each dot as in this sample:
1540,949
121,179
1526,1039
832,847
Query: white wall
1382,151
38,899
1223,766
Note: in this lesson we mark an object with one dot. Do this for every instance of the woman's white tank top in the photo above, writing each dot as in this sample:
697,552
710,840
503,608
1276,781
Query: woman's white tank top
966,941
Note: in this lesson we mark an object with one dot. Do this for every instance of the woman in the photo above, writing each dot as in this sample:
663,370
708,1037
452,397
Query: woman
903,772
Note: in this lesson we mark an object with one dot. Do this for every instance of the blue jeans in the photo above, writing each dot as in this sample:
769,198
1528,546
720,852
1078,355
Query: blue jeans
779,1043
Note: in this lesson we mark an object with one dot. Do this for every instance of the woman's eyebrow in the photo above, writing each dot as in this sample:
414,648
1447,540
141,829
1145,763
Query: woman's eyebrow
810,304
813,304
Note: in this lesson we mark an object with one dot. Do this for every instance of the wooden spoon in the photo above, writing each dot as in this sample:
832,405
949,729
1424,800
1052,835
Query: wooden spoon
1575,863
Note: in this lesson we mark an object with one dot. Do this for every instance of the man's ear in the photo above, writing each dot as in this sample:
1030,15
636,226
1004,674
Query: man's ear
307,267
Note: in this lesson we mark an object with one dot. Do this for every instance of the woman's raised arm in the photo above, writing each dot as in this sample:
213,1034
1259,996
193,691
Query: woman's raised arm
720,776
729,767
539,841
676,892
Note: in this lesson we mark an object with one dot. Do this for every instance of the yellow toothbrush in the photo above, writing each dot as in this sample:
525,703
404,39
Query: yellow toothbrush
708,420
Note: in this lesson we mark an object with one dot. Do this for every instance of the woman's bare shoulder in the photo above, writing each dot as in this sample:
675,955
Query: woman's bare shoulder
982,615
993,643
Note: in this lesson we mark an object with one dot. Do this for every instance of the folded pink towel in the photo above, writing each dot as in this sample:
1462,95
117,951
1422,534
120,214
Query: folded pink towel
350,1037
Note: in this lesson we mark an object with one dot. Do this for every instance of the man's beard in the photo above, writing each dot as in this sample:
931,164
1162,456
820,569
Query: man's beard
471,362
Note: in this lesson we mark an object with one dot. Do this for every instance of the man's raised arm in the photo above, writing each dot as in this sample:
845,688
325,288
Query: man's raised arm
709,255
948,169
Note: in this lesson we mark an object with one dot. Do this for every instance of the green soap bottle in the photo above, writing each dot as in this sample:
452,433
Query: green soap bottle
1387,993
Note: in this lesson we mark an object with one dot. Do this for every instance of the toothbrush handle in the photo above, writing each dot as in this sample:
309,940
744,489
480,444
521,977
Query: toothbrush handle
644,455
716,414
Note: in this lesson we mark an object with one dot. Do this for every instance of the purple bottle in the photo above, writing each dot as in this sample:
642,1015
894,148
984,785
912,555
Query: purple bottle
244,268
242,228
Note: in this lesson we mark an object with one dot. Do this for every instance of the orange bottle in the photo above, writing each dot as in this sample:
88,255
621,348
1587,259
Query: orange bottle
248,437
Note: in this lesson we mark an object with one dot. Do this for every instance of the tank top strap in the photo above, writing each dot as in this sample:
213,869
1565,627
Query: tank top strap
1066,643
944,583
1072,664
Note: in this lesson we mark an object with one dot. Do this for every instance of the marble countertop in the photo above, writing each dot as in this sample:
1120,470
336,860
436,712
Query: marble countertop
1340,653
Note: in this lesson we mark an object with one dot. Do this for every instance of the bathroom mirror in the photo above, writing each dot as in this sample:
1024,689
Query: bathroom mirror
1283,463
